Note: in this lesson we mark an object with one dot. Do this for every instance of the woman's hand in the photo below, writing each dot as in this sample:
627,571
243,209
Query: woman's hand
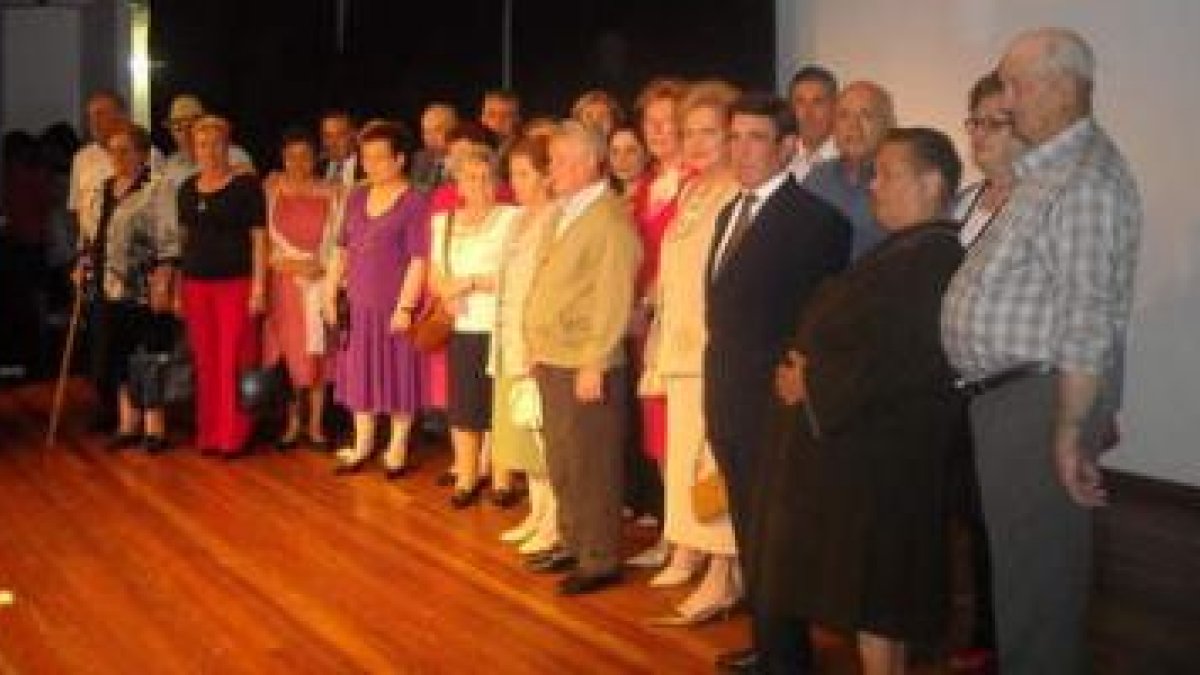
789,379
161,299
402,319
258,299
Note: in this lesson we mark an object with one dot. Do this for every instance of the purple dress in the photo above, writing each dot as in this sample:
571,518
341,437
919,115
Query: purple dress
377,370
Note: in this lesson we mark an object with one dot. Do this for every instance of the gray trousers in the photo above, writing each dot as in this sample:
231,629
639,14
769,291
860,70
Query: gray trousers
1041,541
584,446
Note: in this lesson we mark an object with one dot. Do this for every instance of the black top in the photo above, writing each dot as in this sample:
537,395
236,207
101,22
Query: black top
216,227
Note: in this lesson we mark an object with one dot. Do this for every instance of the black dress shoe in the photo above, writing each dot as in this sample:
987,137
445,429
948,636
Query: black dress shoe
288,443
245,450
210,452
446,479
506,498
124,441
461,499
397,472
552,563
738,661
581,584
155,444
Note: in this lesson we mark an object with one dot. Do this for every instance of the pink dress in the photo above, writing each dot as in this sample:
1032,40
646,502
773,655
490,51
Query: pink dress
293,329
652,220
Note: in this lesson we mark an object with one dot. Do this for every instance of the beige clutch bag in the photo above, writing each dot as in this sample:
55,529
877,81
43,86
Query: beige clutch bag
710,499
525,404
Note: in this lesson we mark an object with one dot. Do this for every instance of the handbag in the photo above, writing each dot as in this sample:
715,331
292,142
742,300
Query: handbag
158,378
710,496
263,387
525,404
431,328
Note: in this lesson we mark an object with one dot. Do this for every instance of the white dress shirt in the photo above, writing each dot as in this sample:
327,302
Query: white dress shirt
576,204
806,159
761,194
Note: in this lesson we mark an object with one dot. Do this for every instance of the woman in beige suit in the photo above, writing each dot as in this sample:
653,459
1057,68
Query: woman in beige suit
675,357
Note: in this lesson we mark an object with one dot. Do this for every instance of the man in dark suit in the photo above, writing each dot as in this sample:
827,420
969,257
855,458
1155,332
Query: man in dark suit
775,242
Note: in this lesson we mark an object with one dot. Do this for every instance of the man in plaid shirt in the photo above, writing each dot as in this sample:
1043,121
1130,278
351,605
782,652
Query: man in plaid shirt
1035,323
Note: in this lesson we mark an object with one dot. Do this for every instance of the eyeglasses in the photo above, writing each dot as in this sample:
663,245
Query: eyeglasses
988,124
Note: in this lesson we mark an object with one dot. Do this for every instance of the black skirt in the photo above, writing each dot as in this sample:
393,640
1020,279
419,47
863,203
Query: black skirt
470,391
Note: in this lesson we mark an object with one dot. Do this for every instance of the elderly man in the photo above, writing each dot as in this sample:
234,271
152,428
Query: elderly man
429,165
576,312
773,245
180,165
864,114
91,165
1035,323
813,94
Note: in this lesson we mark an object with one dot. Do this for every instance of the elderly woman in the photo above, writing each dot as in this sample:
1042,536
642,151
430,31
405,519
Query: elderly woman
515,448
627,159
223,216
302,211
599,110
675,355
994,148
655,202
134,254
465,256
858,540
380,261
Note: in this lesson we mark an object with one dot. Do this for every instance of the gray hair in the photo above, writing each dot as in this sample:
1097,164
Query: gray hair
1063,51
590,139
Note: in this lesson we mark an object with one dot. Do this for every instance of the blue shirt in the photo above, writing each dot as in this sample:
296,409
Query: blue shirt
851,195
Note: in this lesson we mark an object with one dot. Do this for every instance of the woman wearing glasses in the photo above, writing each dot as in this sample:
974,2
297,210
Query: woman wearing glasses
994,147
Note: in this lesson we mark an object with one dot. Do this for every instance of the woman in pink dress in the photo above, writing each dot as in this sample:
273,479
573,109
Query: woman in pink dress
655,201
301,212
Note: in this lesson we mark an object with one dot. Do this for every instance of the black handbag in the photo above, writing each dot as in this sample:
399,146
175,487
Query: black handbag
158,378
263,388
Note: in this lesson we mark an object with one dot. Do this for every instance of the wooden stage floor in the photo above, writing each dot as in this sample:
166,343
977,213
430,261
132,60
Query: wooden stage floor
129,563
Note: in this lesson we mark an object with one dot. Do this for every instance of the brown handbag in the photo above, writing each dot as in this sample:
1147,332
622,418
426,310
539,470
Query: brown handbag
431,328
710,497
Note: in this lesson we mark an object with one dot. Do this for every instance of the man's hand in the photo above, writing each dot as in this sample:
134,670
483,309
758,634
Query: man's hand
1077,470
589,385
789,379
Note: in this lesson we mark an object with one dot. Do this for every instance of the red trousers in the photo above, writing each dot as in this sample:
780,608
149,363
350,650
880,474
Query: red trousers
223,342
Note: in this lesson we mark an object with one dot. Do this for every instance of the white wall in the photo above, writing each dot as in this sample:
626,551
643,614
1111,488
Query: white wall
41,63
929,52
53,56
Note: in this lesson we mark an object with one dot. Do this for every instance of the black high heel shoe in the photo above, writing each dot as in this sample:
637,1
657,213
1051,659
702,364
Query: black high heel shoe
461,499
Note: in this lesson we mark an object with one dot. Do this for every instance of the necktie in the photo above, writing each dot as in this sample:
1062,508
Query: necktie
739,227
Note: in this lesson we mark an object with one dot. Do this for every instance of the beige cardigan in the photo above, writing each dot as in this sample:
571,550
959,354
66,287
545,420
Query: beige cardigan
579,302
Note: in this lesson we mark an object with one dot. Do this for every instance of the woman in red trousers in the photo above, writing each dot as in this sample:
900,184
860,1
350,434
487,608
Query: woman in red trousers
223,216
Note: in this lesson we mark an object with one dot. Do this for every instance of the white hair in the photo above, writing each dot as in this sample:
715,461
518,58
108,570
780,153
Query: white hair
588,138
1063,51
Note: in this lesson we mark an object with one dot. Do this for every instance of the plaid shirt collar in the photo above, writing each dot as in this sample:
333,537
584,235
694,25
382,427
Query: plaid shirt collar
1065,145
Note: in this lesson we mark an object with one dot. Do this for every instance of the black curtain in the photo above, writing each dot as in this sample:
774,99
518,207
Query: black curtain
270,64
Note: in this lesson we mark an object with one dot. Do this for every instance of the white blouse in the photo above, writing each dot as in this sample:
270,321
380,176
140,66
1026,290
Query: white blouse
477,253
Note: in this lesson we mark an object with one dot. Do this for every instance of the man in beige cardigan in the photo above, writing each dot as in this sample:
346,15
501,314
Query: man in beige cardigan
576,314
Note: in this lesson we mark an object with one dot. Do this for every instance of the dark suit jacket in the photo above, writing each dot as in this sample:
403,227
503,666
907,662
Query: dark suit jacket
753,307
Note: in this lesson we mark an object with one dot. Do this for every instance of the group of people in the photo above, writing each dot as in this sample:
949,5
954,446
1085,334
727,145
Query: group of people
791,300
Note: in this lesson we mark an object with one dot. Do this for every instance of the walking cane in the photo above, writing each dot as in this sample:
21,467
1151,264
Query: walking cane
64,368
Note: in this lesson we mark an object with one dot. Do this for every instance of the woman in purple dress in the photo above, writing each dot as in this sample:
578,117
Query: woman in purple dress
379,262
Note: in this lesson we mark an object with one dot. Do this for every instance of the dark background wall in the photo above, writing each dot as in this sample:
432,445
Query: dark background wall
271,63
